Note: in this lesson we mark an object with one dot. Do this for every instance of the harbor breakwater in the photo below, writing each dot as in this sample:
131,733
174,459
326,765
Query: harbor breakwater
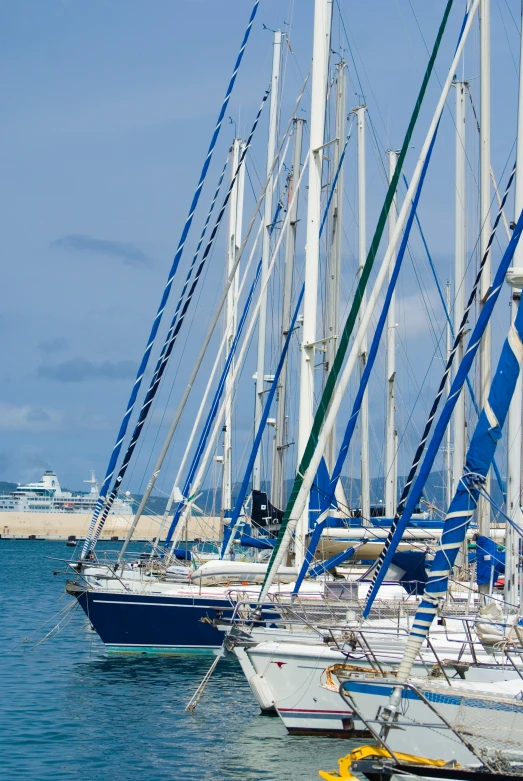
60,526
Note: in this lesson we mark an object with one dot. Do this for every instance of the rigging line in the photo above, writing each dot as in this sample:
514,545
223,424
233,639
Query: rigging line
331,390
60,613
405,30
257,440
211,415
516,25
380,571
173,332
410,498
448,318
209,333
278,157
182,294
56,629
516,69
418,387
373,129
505,223
479,456
371,357
213,371
175,383
263,420
501,512
165,295
252,186
428,306
246,342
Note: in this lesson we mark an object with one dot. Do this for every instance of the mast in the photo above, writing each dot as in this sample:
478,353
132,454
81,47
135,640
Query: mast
332,313
320,57
512,566
485,356
333,393
458,460
391,447
233,246
280,444
362,256
266,244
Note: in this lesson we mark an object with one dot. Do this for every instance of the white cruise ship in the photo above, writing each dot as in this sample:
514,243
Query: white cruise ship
46,496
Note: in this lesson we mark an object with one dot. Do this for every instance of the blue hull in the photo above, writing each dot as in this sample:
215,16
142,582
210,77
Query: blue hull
135,623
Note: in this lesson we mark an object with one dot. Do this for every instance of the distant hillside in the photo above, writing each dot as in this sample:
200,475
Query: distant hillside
434,493
210,502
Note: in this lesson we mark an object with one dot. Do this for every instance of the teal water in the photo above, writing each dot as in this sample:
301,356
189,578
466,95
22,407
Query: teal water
68,712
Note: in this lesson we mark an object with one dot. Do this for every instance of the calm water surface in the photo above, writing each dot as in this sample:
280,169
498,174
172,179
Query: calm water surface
70,712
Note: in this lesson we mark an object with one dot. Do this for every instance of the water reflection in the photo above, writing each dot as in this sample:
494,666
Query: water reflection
69,712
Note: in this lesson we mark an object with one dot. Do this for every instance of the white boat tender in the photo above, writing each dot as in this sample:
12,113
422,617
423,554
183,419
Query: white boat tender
214,573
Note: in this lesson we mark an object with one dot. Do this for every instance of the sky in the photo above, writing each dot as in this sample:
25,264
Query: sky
108,109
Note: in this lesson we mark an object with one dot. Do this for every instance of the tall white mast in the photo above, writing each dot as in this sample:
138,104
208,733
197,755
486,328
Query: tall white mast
332,308
485,356
339,391
278,471
266,245
391,446
320,58
512,567
233,246
362,256
460,245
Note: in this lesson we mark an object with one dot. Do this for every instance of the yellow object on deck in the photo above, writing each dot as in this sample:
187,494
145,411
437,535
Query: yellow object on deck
364,752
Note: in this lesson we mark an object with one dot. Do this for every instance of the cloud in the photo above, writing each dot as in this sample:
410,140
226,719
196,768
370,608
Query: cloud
76,242
50,346
413,318
32,459
80,369
4,463
37,415
28,464
28,418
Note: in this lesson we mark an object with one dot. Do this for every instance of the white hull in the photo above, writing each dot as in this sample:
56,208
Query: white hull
489,717
292,676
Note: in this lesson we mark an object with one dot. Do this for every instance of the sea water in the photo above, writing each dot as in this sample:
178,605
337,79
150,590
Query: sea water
70,712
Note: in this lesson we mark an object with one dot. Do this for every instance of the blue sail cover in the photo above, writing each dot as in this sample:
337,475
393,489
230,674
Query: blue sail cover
441,426
490,563
413,564
334,561
320,499
479,458
247,541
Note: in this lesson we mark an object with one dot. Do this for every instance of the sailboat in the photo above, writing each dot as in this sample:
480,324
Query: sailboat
434,726
448,719
127,601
